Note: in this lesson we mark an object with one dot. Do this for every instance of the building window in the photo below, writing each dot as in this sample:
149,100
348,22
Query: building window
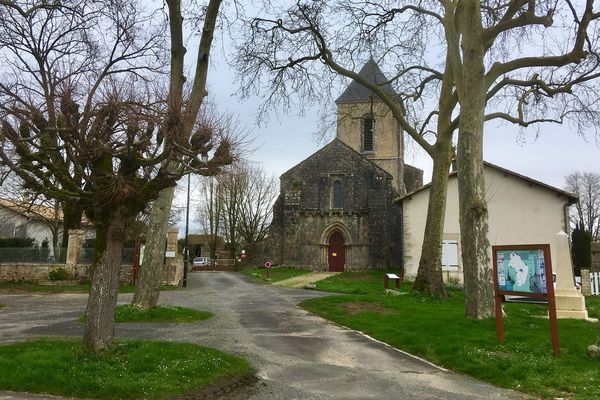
336,201
450,255
367,133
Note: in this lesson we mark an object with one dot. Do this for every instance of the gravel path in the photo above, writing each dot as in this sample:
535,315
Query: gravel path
302,280
297,355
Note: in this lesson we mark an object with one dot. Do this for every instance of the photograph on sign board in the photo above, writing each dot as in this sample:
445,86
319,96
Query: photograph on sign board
521,271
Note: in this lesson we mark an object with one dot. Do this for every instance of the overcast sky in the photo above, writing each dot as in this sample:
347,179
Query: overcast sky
546,154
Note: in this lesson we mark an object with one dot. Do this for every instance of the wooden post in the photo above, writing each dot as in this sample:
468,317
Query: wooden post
499,320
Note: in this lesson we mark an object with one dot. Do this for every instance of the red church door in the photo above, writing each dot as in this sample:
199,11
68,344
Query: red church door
336,252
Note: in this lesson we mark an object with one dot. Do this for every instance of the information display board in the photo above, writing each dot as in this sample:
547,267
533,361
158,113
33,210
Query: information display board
524,271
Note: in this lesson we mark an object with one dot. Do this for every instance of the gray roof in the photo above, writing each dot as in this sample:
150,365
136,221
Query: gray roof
571,197
355,92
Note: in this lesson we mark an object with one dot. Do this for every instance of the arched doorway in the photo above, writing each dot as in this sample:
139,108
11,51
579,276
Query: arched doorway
336,253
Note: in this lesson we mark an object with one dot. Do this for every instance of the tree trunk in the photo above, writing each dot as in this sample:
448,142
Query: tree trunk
429,276
479,300
100,314
147,290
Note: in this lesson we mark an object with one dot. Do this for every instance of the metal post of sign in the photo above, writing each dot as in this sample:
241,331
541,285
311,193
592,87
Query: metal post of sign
267,266
186,251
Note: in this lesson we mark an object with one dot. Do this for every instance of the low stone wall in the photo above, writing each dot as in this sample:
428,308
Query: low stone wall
40,272
595,267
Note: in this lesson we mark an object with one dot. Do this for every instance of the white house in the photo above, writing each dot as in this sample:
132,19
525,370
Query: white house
20,219
521,211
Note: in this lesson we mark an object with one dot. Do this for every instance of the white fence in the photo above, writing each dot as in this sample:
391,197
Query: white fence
595,283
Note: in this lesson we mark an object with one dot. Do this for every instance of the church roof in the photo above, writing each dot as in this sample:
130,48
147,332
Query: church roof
355,92
332,151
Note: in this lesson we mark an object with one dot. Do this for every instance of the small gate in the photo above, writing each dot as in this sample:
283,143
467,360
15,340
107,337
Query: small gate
595,283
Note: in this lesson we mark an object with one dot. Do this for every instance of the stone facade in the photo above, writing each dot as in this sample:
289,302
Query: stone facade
305,216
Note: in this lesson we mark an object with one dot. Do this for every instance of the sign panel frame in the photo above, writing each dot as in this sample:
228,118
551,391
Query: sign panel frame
523,281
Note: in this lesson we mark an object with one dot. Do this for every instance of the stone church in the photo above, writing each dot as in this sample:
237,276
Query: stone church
336,209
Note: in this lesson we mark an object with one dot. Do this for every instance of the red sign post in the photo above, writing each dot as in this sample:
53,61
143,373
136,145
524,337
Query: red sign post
267,266
524,271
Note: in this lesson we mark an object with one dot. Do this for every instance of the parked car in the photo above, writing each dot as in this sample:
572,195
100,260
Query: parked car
201,262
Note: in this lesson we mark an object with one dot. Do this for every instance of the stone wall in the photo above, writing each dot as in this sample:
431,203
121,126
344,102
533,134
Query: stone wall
595,267
40,272
413,178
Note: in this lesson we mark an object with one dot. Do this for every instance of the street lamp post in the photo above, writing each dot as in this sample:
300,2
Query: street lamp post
186,250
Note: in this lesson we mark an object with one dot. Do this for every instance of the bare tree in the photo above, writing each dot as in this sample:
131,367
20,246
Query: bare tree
463,63
256,204
209,213
232,185
73,128
148,289
238,204
586,185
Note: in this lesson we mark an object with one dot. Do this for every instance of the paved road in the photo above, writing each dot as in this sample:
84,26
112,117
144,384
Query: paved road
297,355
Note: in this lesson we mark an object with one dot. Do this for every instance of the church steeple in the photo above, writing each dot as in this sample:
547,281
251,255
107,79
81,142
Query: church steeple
355,92
366,124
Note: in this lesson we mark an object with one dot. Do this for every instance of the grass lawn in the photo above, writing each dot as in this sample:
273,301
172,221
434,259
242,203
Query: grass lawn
275,274
136,369
31,287
439,332
130,313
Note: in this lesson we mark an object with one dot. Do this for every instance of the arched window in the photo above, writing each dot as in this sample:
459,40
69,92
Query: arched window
336,201
367,133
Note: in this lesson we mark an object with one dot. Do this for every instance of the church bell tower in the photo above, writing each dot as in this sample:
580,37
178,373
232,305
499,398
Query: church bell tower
367,125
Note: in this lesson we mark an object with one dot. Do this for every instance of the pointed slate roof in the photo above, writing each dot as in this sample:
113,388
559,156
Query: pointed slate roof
355,92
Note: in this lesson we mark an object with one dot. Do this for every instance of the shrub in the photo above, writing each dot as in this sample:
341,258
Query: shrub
58,274
16,242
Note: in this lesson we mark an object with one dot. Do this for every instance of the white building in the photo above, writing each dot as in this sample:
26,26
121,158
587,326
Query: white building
521,211
19,219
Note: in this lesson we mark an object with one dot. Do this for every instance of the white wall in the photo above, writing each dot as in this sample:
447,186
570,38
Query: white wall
520,212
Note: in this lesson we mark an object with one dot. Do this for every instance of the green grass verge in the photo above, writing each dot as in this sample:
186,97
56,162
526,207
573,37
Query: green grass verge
31,287
135,369
130,313
357,283
275,274
439,332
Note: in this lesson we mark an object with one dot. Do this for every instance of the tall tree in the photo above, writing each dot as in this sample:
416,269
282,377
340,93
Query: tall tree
73,129
581,248
256,204
498,61
209,214
232,185
586,215
148,289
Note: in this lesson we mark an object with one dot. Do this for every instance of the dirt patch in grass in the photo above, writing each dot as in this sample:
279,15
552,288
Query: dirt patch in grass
357,307
232,388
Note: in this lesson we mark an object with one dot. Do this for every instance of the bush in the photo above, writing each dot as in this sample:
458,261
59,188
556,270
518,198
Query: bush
58,274
16,242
